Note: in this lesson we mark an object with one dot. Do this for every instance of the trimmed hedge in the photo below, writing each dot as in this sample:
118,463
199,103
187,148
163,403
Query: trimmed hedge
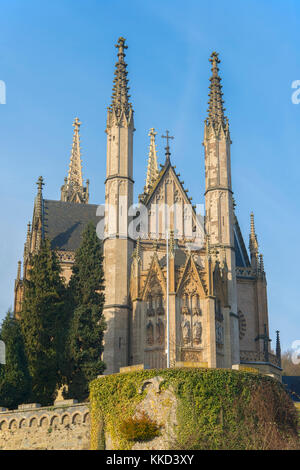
217,409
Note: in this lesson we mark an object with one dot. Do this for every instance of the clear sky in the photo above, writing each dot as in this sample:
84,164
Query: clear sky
57,61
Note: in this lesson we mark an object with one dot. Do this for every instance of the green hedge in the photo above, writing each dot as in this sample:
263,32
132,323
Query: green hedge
217,409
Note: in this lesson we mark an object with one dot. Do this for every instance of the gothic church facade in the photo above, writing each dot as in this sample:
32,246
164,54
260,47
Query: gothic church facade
206,302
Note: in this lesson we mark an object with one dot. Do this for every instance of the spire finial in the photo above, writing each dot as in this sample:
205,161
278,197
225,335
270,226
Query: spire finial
121,46
215,104
253,244
19,271
252,227
152,169
278,348
27,243
261,263
40,183
76,124
120,96
39,198
28,236
167,148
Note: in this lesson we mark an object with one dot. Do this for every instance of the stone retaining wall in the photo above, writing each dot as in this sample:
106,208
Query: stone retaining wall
66,425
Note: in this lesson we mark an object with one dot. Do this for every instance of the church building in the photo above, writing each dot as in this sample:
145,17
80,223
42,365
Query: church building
180,287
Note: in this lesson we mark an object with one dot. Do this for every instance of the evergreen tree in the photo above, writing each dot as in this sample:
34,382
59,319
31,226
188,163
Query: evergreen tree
85,344
43,323
14,375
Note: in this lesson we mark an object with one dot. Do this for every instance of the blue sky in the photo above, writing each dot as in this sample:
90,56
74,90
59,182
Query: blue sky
57,61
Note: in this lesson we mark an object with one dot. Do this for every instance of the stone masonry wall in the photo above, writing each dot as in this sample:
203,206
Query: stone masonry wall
66,426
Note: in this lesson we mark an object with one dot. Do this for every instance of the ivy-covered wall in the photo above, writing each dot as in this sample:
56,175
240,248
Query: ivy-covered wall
191,409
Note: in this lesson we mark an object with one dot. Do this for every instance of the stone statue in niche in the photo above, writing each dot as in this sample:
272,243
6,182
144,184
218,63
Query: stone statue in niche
186,331
197,333
160,330
150,334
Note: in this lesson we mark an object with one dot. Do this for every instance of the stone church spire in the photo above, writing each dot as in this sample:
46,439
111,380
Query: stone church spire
253,243
152,169
37,223
215,105
120,107
73,189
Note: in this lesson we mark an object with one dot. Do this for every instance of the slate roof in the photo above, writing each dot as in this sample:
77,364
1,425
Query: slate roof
63,223
241,255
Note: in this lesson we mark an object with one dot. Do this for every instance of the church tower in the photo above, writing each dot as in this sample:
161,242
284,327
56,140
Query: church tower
118,246
219,219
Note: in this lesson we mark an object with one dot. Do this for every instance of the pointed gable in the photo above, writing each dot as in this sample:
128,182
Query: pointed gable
168,192
155,278
192,279
166,174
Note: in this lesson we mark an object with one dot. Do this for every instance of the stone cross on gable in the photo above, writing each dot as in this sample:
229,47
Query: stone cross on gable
167,137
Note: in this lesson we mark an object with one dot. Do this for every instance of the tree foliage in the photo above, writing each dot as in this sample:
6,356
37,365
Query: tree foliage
43,322
15,383
288,365
85,341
